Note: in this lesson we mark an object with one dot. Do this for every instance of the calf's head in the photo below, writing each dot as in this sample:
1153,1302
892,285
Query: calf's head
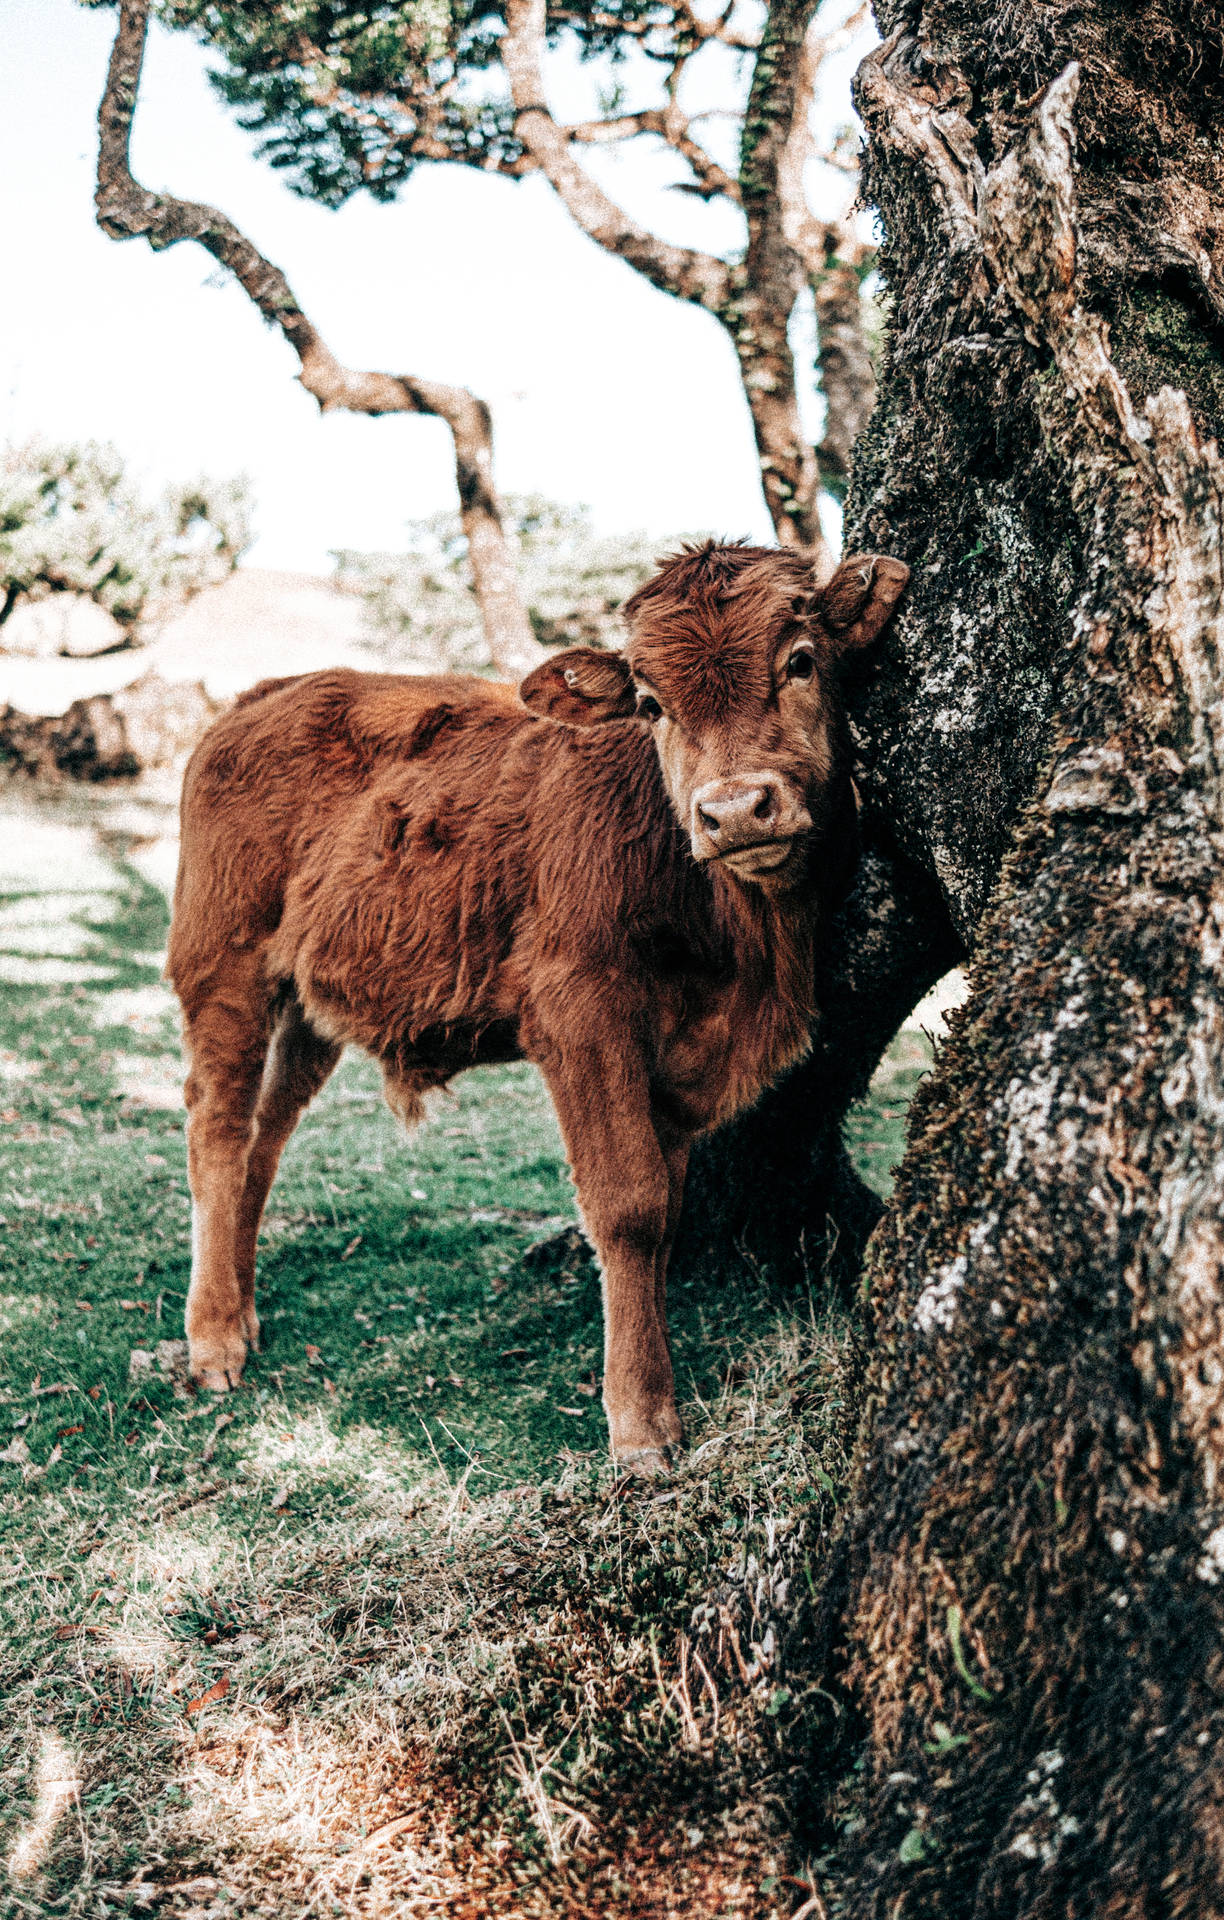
732,663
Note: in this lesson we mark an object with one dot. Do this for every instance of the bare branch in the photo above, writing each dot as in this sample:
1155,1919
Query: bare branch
618,126
771,281
720,28
126,210
834,260
712,181
690,275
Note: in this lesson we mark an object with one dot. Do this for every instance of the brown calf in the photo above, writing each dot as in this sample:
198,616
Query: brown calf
618,875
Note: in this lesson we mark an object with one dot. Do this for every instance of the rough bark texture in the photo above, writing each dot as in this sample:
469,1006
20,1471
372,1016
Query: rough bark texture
1027,1603
126,210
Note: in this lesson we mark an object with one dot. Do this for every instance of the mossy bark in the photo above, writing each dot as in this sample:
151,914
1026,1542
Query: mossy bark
1026,1607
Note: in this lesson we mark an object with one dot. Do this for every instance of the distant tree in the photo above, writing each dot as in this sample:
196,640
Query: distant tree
126,210
573,582
73,521
351,98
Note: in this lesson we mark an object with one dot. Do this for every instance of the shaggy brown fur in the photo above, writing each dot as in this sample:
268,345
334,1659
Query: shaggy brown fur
429,870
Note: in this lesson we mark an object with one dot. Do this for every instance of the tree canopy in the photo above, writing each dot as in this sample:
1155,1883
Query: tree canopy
348,99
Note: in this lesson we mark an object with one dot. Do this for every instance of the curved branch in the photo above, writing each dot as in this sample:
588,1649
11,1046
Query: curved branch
126,210
719,28
684,19
712,181
834,260
691,275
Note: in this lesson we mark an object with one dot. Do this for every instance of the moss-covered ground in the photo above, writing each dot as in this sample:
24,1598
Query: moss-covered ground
379,1632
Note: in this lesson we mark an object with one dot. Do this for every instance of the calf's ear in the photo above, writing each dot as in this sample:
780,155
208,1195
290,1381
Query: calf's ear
581,687
855,603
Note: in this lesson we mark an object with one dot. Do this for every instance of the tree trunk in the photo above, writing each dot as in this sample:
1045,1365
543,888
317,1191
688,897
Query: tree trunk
790,474
1027,1602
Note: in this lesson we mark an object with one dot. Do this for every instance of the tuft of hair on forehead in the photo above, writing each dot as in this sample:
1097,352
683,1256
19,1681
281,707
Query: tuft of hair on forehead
705,628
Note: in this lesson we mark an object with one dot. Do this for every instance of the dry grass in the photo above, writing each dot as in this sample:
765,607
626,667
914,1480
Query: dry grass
547,1698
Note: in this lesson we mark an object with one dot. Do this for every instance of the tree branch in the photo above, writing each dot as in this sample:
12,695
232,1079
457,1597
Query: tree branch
682,271
833,260
712,180
126,210
772,279
719,29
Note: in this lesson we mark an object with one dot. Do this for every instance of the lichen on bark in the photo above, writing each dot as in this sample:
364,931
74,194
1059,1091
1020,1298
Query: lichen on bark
1026,1604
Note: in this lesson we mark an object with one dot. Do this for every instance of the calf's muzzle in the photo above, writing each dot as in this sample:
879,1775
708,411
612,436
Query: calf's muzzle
746,814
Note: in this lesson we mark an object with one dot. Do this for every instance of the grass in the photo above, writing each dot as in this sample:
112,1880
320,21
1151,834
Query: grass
379,1633
875,1128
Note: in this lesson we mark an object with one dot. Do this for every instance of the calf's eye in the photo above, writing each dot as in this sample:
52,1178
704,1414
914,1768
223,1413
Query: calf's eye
648,707
801,665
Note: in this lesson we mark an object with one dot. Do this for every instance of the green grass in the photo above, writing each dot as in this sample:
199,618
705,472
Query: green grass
446,1664
875,1128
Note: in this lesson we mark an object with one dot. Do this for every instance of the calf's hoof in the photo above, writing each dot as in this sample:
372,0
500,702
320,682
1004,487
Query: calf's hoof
645,1463
217,1360
645,1445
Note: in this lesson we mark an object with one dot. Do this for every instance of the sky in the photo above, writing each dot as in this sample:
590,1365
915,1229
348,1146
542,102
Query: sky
604,392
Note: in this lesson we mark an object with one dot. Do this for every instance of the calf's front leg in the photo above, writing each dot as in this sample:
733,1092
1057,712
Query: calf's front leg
226,1041
628,1199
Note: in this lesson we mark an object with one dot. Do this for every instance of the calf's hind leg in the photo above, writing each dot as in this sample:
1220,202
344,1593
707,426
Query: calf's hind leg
299,1061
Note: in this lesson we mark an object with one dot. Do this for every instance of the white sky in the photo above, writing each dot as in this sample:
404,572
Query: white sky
603,391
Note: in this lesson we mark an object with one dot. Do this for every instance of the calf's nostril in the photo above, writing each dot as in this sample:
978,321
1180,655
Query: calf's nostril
766,807
709,822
